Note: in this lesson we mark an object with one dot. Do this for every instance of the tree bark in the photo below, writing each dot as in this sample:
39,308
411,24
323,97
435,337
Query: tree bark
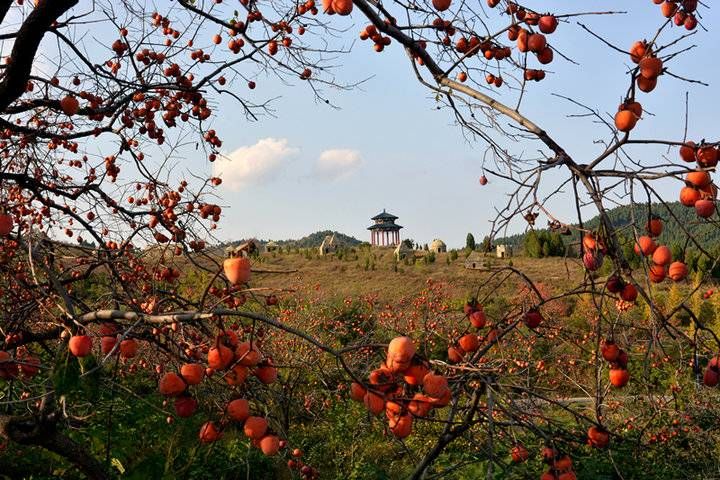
42,432
25,47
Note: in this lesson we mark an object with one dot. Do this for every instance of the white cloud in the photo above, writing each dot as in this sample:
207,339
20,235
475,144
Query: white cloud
337,163
254,164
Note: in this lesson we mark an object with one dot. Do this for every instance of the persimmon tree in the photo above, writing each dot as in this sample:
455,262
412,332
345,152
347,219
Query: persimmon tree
91,130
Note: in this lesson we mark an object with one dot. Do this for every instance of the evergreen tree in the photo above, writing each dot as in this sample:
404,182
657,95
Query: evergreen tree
533,248
470,241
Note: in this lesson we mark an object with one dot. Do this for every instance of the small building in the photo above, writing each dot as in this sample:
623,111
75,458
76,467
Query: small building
503,251
246,249
402,251
475,261
329,245
384,232
438,246
272,246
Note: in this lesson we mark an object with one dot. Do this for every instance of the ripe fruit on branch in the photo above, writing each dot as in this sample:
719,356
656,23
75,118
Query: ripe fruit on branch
662,255
270,445
401,351
519,453
219,357
646,85
698,178
374,402
171,384
598,437
6,224
80,345
192,373
237,270
342,7
638,50
69,105
619,377
654,226
255,427
357,392
209,432
441,5
705,208
687,152
629,293
677,271
532,318
238,409
435,385
185,406
610,350
625,120
645,246
548,24
651,67
689,195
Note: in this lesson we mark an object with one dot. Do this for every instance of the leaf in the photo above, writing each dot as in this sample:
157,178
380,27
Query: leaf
66,373
117,464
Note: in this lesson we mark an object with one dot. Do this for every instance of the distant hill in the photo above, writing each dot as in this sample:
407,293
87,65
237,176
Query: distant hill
315,239
308,241
674,215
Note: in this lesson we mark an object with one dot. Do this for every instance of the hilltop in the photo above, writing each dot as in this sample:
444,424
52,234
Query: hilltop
676,217
308,241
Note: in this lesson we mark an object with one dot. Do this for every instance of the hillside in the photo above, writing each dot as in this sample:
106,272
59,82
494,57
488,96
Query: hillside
674,214
315,239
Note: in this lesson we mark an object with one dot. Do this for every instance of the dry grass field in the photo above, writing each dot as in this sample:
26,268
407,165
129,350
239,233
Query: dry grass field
373,272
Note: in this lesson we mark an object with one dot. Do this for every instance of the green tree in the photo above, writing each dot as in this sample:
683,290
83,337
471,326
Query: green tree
470,241
533,248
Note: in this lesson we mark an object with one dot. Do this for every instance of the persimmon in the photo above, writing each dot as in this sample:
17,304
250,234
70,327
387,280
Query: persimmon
238,409
455,354
382,379
634,107
374,402
698,178
654,226
532,318
646,85
171,384
478,318
441,5
677,271
657,273
668,8
128,348
357,392
415,373
522,41
420,405
435,385
638,50
469,342
536,42
619,377
610,350
401,426
645,246
483,180
707,156
270,445
185,406
662,255
519,453
705,208
548,24
219,357
236,375
589,241
687,151
69,105
688,196
6,224
255,427
711,377
209,432
545,55
267,374
192,373
443,400
342,7
107,343
237,270
401,351
650,67
625,120
247,355
629,293
80,345
598,437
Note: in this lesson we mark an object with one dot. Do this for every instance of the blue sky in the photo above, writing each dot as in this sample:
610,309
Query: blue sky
314,167
415,163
